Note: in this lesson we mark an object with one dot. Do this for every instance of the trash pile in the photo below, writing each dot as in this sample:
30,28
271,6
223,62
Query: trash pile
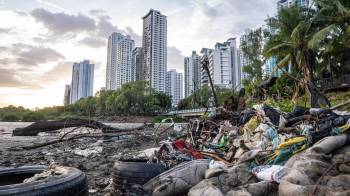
258,151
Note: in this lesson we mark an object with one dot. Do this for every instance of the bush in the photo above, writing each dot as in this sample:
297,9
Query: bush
11,117
33,117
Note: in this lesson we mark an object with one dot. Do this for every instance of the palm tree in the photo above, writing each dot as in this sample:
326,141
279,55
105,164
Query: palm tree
333,36
295,28
290,43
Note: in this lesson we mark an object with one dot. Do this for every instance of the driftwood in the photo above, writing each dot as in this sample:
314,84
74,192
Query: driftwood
79,136
47,126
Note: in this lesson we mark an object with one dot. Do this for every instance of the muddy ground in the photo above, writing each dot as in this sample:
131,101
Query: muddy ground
97,166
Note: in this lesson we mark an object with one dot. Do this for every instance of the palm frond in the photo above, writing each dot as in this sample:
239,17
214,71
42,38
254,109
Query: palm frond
277,49
321,35
284,62
300,32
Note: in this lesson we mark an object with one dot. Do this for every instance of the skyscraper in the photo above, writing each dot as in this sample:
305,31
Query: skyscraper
289,3
205,53
154,45
67,92
82,80
270,66
224,68
119,61
174,86
243,59
193,70
188,77
137,58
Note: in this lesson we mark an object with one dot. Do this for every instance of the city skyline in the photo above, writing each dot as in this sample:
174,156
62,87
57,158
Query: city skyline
56,36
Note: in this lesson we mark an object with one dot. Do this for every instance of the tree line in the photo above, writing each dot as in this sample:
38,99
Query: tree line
134,98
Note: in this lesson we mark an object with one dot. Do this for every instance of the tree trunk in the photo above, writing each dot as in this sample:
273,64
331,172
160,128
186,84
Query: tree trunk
46,126
205,64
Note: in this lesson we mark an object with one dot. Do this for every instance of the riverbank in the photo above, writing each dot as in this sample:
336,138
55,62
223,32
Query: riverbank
94,156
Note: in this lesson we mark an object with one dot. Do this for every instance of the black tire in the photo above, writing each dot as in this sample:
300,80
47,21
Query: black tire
127,173
73,183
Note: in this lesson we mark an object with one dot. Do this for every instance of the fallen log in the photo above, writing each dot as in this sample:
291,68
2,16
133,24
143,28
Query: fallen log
47,126
39,145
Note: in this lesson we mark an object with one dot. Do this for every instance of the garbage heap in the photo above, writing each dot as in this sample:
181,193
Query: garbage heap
258,151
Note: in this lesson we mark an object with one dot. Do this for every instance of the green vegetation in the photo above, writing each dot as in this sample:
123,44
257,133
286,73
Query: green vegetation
252,49
134,98
314,42
202,98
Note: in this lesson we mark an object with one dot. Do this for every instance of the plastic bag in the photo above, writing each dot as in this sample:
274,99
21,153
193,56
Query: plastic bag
271,173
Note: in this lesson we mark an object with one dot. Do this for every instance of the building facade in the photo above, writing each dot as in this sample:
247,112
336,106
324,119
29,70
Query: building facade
243,61
174,86
67,92
206,53
289,3
82,81
193,71
224,66
120,68
154,45
137,58
270,67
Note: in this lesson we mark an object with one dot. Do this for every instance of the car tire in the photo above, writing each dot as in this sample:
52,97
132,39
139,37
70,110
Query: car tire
130,172
72,183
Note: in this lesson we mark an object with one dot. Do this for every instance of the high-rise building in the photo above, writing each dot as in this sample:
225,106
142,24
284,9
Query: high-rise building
137,58
188,75
119,61
289,3
206,53
67,92
154,45
270,66
174,86
224,68
82,80
111,70
193,70
243,59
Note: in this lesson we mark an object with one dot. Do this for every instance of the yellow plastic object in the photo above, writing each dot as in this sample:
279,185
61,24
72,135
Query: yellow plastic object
252,124
291,142
345,127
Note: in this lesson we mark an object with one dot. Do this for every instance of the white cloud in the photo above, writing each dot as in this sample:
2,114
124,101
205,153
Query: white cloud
47,3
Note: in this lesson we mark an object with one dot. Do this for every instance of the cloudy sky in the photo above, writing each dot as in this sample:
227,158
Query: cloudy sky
40,39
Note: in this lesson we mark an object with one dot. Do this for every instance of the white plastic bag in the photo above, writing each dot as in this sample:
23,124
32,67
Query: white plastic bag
271,173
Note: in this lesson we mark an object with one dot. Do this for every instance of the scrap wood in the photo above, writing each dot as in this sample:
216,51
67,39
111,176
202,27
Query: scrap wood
215,157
